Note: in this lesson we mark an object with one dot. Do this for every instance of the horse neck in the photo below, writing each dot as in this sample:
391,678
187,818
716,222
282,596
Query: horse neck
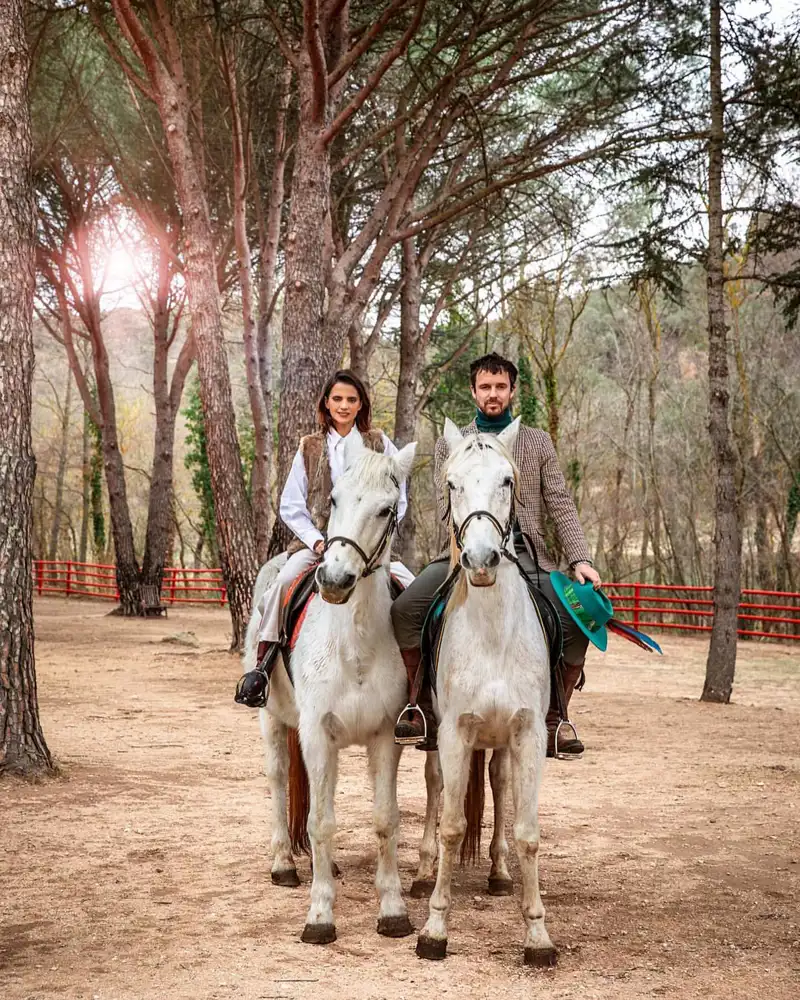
496,611
368,610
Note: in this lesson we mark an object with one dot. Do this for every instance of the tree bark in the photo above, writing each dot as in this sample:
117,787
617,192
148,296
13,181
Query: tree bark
22,745
258,407
55,529
164,67
721,663
411,360
167,398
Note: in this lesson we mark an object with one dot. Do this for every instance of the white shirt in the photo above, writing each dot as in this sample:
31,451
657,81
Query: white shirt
294,499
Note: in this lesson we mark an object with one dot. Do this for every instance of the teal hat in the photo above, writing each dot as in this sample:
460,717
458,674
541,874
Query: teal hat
590,608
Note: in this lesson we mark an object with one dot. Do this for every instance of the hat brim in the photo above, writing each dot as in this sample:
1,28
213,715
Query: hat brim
598,638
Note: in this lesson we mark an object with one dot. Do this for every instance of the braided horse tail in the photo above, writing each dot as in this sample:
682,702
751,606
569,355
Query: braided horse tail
299,796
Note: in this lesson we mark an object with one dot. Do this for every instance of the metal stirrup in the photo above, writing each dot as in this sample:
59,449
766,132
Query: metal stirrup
565,756
409,740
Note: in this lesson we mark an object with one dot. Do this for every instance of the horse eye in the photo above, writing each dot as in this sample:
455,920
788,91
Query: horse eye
333,501
385,512
508,481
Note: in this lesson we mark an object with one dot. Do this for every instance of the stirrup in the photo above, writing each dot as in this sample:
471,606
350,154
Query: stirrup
565,756
252,689
412,741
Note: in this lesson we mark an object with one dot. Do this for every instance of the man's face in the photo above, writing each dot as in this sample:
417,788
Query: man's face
492,392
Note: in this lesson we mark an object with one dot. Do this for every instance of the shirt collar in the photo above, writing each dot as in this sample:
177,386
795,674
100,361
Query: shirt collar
336,438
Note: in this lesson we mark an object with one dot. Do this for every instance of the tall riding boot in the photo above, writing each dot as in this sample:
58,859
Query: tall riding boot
569,746
416,725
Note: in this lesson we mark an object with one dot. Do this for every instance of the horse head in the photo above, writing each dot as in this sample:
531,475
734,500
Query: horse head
481,481
363,517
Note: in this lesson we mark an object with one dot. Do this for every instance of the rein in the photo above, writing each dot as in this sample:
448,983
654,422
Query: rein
373,561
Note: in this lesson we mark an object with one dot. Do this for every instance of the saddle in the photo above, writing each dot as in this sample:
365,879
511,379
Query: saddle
433,628
253,687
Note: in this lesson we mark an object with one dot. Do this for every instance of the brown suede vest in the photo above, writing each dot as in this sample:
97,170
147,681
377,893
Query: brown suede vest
314,450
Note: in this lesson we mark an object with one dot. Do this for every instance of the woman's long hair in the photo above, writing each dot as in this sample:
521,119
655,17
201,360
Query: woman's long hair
364,417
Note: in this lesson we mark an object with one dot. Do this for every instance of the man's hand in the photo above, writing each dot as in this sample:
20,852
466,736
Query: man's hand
319,546
585,573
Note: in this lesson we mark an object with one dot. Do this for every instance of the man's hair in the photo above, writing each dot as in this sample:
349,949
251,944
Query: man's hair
495,364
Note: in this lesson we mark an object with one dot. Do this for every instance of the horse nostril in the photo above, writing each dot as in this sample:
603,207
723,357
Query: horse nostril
493,559
464,560
348,580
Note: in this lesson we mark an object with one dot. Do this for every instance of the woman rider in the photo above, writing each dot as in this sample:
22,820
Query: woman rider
343,409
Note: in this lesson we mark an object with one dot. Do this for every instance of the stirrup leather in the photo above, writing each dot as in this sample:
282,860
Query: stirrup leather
412,741
565,756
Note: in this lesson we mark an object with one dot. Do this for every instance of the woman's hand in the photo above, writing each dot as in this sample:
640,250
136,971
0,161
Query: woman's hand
319,547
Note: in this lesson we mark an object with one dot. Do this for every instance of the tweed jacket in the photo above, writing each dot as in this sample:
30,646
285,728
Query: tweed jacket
542,490
318,474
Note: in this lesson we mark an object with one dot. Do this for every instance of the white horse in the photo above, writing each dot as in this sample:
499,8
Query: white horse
493,680
349,687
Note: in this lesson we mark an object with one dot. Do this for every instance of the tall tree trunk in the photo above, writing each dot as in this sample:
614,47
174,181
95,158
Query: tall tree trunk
258,406
411,359
167,397
55,529
163,64
86,476
22,745
721,663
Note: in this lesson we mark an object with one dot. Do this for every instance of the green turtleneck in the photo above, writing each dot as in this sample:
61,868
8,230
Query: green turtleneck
493,425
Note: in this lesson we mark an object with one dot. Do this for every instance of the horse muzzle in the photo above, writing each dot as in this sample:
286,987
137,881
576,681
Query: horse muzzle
335,588
481,567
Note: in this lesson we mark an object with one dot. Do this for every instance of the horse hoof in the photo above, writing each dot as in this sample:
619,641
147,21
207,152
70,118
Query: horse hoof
395,927
422,888
318,934
288,878
336,871
541,958
500,886
433,949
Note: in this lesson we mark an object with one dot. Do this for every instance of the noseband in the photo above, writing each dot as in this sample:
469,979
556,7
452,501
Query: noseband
373,561
504,531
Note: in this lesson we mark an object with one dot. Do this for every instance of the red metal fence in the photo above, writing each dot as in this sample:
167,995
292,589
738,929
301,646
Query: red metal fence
770,614
74,579
766,614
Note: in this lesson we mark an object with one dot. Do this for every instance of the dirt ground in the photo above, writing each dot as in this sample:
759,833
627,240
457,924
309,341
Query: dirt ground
670,858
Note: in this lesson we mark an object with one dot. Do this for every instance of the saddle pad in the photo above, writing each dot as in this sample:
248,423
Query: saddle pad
433,627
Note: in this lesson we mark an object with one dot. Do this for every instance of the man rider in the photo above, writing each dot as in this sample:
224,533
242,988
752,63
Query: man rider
542,490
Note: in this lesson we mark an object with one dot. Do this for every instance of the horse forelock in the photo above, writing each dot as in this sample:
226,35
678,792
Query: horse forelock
478,443
372,471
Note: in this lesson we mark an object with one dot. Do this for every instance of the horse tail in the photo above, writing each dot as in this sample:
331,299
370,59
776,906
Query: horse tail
473,808
299,796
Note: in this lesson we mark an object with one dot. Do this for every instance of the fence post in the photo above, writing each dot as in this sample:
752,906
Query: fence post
172,572
40,576
69,578
223,596
636,589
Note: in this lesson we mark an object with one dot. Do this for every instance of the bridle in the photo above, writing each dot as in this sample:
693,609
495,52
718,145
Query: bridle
505,531
372,562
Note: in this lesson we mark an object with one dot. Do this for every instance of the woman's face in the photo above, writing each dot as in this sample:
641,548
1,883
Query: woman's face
343,404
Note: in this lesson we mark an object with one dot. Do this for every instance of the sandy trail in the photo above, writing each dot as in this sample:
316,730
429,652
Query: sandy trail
670,859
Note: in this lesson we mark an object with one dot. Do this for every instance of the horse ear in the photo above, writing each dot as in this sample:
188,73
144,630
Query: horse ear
452,434
508,437
354,448
405,459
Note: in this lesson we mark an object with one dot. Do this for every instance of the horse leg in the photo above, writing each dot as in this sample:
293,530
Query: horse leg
384,756
500,883
321,759
528,747
455,756
423,884
276,761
